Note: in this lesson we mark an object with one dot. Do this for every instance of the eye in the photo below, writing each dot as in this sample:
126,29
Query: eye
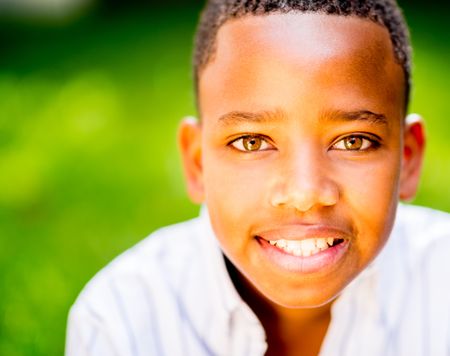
251,143
355,143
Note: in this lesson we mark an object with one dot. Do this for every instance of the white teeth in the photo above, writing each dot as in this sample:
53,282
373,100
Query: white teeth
281,243
294,244
308,245
321,243
303,248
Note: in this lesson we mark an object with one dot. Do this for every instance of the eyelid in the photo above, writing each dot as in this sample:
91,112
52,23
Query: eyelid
374,140
265,139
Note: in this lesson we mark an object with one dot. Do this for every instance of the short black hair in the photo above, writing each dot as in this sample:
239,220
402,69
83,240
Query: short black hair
384,12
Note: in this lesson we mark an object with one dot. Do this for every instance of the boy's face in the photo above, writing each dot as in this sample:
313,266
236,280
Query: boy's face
302,152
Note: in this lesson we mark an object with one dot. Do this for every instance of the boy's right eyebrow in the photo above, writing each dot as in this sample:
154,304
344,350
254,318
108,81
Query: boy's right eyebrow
236,117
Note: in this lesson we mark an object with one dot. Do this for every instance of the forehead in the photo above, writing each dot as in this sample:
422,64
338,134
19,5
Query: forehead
266,60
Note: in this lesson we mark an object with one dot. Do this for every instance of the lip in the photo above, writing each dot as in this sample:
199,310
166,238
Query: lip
321,262
303,232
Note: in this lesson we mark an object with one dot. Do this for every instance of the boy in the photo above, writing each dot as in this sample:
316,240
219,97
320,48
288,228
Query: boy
300,155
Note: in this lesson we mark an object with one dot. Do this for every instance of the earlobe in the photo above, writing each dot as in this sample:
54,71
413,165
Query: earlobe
189,141
413,152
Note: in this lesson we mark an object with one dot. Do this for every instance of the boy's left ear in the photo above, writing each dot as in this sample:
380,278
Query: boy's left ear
413,152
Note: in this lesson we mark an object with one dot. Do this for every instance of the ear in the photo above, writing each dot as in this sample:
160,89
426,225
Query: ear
413,152
189,141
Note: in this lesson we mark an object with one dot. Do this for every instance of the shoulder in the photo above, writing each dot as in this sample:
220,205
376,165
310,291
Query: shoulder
136,288
422,239
418,219
421,227
156,260
415,294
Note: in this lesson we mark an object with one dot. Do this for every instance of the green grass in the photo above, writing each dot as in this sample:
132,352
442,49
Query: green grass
88,158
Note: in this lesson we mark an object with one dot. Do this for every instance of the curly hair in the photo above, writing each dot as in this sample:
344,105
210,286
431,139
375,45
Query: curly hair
384,12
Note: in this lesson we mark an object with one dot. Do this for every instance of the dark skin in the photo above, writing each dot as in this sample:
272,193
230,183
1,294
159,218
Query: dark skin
287,334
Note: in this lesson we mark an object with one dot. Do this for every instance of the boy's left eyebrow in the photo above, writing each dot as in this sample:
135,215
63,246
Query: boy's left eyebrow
359,115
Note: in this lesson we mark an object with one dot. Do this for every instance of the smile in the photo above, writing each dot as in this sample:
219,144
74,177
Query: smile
307,247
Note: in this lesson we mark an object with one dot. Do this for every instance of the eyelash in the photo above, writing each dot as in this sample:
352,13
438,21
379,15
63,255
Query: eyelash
370,142
264,142
373,143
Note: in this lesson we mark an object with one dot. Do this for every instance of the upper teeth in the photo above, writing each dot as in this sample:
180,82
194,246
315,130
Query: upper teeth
303,248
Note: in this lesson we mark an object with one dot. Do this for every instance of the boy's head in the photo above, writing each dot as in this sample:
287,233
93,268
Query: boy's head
303,150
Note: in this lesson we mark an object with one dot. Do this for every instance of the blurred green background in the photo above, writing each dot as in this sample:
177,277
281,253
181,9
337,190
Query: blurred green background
89,104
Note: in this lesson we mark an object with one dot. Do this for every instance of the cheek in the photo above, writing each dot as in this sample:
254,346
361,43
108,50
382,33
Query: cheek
234,192
371,196
237,185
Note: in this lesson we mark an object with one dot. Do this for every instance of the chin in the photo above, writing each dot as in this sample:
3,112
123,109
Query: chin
305,302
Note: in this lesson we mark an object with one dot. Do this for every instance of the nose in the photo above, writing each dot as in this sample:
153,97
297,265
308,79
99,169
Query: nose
304,181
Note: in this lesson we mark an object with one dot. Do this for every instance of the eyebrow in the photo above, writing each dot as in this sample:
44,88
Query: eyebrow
236,117
359,115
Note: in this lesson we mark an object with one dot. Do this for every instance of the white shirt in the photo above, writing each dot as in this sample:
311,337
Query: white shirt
171,295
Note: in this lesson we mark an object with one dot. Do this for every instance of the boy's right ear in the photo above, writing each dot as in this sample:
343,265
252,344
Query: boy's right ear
190,144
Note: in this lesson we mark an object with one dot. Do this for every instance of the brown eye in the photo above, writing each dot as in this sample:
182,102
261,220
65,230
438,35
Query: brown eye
353,143
252,143
356,143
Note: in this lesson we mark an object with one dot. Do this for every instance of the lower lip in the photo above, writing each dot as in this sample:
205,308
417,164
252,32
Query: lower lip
319,262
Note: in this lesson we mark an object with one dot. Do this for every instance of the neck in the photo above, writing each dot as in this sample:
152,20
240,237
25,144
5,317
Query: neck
297,328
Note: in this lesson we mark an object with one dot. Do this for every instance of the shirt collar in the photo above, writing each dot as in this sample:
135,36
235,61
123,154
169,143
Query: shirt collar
232,322
230,299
